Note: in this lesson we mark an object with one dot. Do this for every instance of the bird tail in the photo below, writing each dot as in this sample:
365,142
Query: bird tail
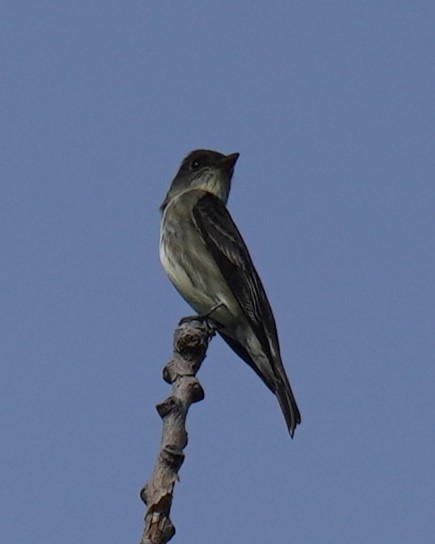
287,402
274,376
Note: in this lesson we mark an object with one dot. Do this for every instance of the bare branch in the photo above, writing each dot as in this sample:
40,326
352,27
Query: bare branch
191,339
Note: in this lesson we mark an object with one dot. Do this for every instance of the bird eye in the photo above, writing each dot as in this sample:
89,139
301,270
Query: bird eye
195,164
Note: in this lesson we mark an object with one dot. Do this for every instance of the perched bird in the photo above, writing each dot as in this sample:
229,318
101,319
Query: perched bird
205,257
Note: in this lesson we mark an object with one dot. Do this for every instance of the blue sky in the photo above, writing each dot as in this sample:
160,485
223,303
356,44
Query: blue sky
331,105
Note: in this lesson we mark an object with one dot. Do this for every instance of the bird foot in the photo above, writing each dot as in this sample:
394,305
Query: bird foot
204,318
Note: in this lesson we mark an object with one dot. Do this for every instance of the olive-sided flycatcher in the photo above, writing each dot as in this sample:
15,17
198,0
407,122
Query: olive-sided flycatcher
205,257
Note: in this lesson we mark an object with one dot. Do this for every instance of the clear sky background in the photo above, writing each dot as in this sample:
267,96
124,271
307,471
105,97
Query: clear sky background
332,107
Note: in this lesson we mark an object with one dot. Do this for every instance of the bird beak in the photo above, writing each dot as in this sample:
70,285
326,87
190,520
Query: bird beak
228,162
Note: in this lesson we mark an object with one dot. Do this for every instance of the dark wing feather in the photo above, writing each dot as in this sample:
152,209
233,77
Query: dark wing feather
226,245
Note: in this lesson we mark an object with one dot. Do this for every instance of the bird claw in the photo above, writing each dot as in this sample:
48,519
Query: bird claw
203,318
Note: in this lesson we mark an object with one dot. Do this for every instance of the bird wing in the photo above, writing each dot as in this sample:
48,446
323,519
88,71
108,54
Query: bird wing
225,243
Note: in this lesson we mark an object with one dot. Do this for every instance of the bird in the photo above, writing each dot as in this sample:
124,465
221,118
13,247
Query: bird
208,262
